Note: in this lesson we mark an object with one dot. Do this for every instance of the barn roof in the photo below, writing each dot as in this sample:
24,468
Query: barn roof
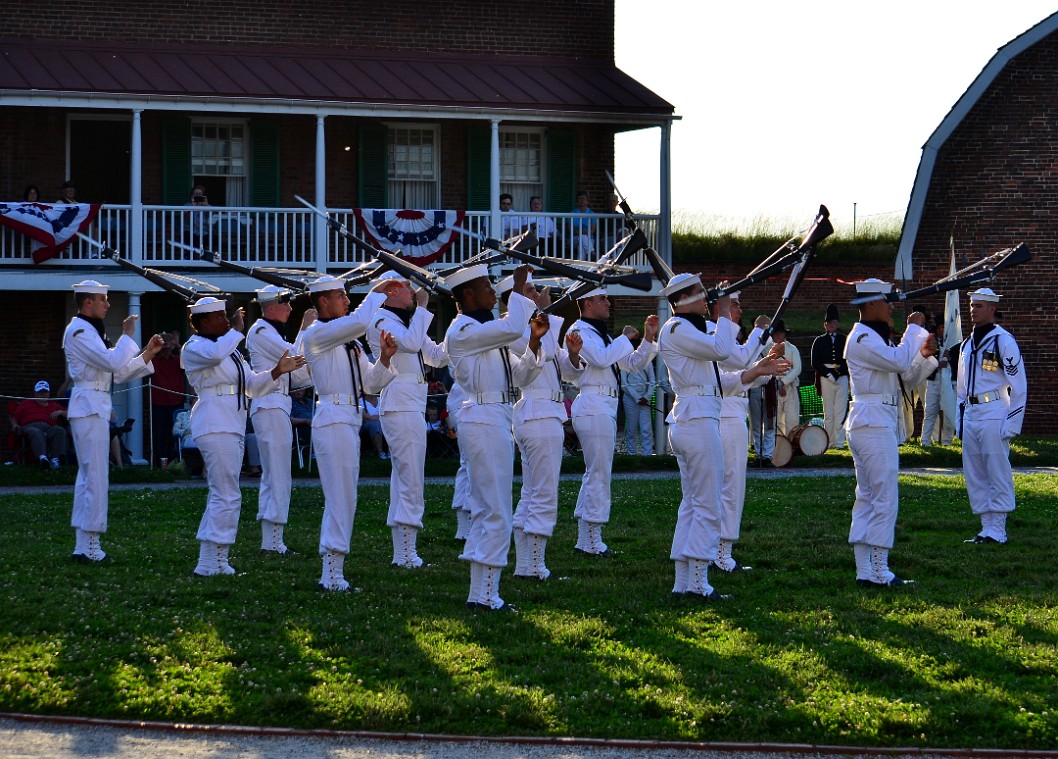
959,111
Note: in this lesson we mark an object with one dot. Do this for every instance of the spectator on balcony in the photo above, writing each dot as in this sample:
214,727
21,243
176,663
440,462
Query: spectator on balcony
31,194
37,419
510,223
69,193
196,226
583,229
544,226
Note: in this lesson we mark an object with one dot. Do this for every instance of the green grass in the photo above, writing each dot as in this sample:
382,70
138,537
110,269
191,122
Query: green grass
967,657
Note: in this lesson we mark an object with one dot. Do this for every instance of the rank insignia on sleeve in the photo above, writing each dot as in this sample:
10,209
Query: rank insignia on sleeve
1010,367
673,327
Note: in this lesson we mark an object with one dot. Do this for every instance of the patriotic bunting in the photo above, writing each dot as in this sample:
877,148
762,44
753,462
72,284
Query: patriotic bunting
422,236
52,227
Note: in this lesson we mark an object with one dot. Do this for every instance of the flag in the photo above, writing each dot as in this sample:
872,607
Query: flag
52,227
952,315
421,236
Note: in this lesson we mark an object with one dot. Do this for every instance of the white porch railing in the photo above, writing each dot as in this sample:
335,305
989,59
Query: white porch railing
284,237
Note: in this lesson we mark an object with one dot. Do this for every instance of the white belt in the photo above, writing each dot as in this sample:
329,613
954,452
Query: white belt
340,399
710,391
743,394
485,399
544,395
220,390
609,392
882,398
976,400
831,366
409,379
103,386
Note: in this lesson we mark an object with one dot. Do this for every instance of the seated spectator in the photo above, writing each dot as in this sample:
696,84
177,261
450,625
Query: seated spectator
69,193
120,455
189,451
583,229
38,419
196,226
510,223
301,413
544,226
372,427
440,438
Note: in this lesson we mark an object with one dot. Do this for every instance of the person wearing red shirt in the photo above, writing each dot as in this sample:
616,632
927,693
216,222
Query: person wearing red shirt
167,396
37,419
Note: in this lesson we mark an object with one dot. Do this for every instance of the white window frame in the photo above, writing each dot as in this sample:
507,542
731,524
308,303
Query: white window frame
425,188
236,184
522,188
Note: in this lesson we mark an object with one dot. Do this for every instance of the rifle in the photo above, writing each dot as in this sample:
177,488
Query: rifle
189,295
297,287
984,270
406,269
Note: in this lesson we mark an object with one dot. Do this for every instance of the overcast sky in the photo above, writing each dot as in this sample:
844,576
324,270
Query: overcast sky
786,105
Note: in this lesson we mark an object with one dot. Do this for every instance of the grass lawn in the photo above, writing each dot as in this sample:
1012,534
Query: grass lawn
966,657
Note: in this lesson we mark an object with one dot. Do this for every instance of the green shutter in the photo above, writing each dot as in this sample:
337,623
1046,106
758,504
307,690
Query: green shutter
264,164
176,160
372,157
561,170
479,160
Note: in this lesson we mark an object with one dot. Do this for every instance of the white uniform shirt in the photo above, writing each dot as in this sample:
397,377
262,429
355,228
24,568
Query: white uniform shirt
690,357
223,381
993,368
479,352
875,370
541,385
266,346
600,359
735,404
415,351
790,379
94,368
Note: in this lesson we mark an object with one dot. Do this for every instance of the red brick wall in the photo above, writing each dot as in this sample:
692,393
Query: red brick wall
995,184
555,27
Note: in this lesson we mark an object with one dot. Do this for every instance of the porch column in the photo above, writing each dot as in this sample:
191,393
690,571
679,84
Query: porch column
495,228
135,406
664,248
322,237
136,189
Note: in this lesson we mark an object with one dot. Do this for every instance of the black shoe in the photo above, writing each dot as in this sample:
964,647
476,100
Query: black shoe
896,582
978,539
607,553
737,568
505,609
712,597
81,558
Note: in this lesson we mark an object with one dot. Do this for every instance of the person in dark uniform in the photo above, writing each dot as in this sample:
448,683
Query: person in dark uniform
832,376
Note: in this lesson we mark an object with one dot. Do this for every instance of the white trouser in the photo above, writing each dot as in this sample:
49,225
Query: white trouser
637,425
540,441
835,407
875,453
986,464
275,437
940,401
461,494
405,434
222,452
597,435
697,445
91,439
735,440
490,450
787,410
761,424
338,456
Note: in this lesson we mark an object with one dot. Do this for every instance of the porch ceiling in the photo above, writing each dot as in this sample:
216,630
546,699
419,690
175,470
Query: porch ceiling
31,70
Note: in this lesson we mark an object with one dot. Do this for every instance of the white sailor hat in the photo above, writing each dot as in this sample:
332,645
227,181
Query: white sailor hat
325,283
390,274
271,293
985,294
873,286
507,283
735,295
680,282
463,276
207,305
593,293
91,286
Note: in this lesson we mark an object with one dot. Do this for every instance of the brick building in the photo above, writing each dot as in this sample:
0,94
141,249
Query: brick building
988,179
349,104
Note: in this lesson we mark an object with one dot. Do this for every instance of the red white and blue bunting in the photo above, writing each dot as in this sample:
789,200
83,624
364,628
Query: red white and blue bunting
422,236
52,227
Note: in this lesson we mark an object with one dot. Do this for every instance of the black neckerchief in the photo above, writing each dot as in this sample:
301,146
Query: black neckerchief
698,320
279,327
98,324
599,326
480,315
404,314
208,337
980,333
882,328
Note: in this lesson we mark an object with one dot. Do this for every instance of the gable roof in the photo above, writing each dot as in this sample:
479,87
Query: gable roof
959,111
320,80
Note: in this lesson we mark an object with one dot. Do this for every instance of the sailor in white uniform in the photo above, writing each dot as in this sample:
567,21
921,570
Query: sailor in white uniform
595,409
342,375
94,366
878,371
266,343
479,348
223,382
402,406
538,417
991,392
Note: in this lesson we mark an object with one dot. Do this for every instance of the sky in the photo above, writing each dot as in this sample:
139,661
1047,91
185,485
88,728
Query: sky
789,104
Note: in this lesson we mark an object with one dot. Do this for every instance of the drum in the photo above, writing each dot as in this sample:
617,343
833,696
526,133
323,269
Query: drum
782,452
809,439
